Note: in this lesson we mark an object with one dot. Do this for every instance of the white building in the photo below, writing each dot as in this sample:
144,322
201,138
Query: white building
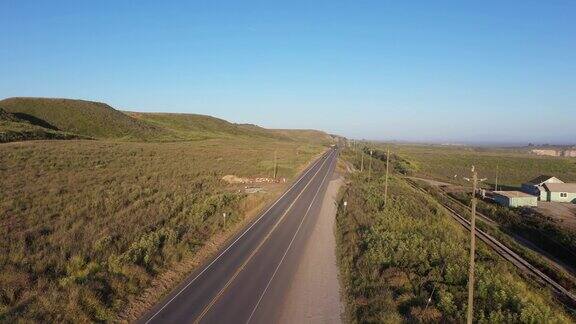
536,186
560,192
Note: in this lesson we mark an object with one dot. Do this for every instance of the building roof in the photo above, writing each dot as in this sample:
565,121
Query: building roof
541,179
514,194
560,187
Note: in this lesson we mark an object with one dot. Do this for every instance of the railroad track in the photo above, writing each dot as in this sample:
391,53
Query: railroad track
509,255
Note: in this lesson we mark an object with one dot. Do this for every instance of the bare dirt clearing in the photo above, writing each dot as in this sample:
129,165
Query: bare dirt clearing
563,212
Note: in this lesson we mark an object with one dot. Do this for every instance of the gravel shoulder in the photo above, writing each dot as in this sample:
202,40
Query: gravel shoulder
314,295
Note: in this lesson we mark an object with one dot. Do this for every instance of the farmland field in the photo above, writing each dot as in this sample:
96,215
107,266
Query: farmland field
515,166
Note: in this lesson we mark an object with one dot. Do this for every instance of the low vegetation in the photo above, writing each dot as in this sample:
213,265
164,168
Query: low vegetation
407,261
504,229
542,231
88,225
515,166
85,118
14,129
67,118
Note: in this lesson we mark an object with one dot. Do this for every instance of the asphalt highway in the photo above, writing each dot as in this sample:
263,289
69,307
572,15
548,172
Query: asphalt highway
247,280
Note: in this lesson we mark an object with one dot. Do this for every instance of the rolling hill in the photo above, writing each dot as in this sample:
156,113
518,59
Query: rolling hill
14,129
50,118
195,126
86,118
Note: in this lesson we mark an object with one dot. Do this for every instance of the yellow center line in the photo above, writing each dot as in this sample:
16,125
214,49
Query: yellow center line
221,292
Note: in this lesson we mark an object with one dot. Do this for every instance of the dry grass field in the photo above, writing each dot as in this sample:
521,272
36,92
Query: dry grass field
88,225
515,166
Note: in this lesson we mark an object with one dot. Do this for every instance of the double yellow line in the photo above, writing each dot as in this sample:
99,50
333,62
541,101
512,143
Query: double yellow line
237,272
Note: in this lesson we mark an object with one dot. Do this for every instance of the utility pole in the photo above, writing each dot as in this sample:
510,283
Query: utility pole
370,166
362,163
275,164
472,249
472,245
386,181
496,182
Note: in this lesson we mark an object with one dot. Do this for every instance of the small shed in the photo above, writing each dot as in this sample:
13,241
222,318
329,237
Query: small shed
515,199
561,192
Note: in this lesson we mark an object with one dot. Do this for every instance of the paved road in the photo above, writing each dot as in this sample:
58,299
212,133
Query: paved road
248,281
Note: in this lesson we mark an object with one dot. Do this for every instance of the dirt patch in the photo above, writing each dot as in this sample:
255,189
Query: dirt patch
565,213
232,179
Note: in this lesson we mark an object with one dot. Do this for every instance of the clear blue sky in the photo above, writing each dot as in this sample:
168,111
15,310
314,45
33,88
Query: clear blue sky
482,71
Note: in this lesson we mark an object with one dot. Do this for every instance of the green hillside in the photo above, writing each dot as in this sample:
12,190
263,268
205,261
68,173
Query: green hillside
194,126
87,118
47,118
305,135
14,129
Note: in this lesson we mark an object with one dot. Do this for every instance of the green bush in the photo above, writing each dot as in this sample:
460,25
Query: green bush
394,258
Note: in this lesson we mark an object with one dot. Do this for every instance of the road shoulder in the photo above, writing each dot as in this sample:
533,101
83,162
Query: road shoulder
314,295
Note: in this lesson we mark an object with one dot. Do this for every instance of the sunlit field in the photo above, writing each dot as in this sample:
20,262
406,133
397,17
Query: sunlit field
87,225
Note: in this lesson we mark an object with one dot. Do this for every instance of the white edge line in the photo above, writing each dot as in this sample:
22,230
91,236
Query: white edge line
206,309
236,240
289,245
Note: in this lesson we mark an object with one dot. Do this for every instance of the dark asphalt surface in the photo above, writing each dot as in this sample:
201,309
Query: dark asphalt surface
247,281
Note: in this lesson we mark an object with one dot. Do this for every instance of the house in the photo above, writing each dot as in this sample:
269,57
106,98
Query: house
515,199
536,186
560,192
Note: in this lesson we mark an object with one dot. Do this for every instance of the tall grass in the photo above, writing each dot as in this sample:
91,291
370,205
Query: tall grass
87,225
394,258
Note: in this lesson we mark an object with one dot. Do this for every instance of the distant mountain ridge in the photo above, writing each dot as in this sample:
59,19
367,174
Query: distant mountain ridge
49,118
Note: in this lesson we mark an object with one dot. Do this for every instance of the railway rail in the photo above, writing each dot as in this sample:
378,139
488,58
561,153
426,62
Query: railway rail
511,256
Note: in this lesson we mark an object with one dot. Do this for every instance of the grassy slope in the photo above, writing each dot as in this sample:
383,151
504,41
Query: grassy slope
14,129
87,118
98,120
194,126
395,257
305,135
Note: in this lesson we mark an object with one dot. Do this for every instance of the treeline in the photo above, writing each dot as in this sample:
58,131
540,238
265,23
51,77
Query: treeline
408,261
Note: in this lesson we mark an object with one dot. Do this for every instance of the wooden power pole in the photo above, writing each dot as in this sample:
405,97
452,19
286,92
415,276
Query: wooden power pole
472,248
370,166
275,164
362,162
496,182
386,181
